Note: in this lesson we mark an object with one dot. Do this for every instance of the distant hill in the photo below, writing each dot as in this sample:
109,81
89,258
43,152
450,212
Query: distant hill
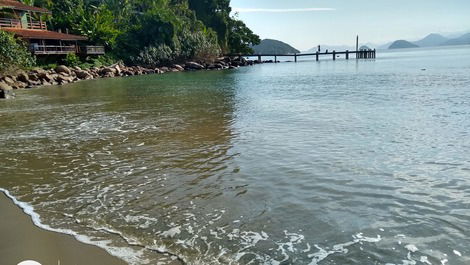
274,47
364,47
463,40
431,40
325,47
402,44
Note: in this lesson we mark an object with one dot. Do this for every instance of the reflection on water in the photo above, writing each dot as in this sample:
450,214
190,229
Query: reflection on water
311,163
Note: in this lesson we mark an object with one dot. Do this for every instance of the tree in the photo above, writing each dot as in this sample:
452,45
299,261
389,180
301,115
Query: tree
13,53
241,38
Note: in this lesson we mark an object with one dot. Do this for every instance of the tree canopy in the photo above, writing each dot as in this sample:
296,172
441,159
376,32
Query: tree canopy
154,31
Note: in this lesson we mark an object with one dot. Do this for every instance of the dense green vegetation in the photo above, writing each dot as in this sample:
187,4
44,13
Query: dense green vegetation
13,53
154,32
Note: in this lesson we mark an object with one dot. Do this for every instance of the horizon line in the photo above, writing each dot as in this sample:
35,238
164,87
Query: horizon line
285,10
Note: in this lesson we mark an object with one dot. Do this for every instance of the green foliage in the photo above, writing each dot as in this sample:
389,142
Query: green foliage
71,59
153,32
13,53
241,38
154,56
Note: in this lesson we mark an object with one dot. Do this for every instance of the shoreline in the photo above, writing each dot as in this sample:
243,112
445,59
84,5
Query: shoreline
62,74
24,239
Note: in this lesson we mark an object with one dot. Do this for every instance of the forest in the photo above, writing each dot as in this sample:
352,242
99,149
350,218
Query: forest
153,32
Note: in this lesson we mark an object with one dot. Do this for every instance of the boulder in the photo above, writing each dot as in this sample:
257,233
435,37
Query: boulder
194,66
215,66
5,87
81,74
63,69
45,76
33,77
22,77
8,80
6,91
64,79
178,67
38,71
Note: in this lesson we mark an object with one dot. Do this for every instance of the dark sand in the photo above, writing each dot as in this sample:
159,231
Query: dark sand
21,240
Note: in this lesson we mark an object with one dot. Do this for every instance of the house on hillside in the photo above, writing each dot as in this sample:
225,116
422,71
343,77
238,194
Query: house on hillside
19,19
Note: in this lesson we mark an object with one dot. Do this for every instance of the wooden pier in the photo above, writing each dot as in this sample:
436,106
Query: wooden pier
361,54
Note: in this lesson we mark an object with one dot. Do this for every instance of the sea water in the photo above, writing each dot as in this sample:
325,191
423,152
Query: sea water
330,162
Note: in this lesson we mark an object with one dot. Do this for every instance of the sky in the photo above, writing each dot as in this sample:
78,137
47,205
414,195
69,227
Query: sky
307,23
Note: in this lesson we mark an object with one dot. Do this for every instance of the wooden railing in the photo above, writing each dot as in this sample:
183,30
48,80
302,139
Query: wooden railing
37,25
50,49
16,23
91,50
10,23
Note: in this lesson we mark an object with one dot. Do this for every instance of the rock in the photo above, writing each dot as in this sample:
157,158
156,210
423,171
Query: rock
38,71
108,74
64,79
19,85
22,77
63,69
6,91
9,81
215,66
118,69
81,74
5,87
178,67
33,77
194,66
45,76
108,71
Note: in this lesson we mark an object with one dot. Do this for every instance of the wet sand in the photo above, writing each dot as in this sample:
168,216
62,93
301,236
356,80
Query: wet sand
21,240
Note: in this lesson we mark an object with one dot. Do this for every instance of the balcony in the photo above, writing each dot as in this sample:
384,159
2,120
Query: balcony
37,25
51,49
16,23
91,50
10,23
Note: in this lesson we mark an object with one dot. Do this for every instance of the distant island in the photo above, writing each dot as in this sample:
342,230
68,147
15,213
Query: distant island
402,44
431,40
269,46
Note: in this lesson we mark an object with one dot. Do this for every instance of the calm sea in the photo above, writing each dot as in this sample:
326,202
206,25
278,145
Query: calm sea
346,162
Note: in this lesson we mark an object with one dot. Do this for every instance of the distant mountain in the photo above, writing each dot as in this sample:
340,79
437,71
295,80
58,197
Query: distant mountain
431,40
463,40
268,46
331,48
402,44
364,47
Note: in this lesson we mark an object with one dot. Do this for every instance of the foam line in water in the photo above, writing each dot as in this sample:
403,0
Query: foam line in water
128,255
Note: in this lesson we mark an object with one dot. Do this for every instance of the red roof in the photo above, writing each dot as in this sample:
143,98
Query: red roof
13,4
43,34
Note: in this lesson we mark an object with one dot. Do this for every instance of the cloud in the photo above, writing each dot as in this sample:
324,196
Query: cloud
285,10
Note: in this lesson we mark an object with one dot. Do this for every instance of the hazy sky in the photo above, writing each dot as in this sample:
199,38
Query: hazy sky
307,23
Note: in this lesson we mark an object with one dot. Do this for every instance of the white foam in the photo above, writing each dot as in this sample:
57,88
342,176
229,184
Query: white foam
171,232
127,254
456,252
411,248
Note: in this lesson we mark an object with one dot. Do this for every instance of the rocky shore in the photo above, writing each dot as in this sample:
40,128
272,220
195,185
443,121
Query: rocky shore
62,74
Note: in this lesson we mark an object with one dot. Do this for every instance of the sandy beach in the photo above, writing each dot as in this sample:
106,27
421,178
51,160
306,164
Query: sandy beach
22,240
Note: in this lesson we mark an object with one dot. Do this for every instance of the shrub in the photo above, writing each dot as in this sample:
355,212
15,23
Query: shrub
154,56
14,54
71,59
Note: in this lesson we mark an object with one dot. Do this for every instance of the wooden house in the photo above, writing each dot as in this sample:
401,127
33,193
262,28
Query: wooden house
19,19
